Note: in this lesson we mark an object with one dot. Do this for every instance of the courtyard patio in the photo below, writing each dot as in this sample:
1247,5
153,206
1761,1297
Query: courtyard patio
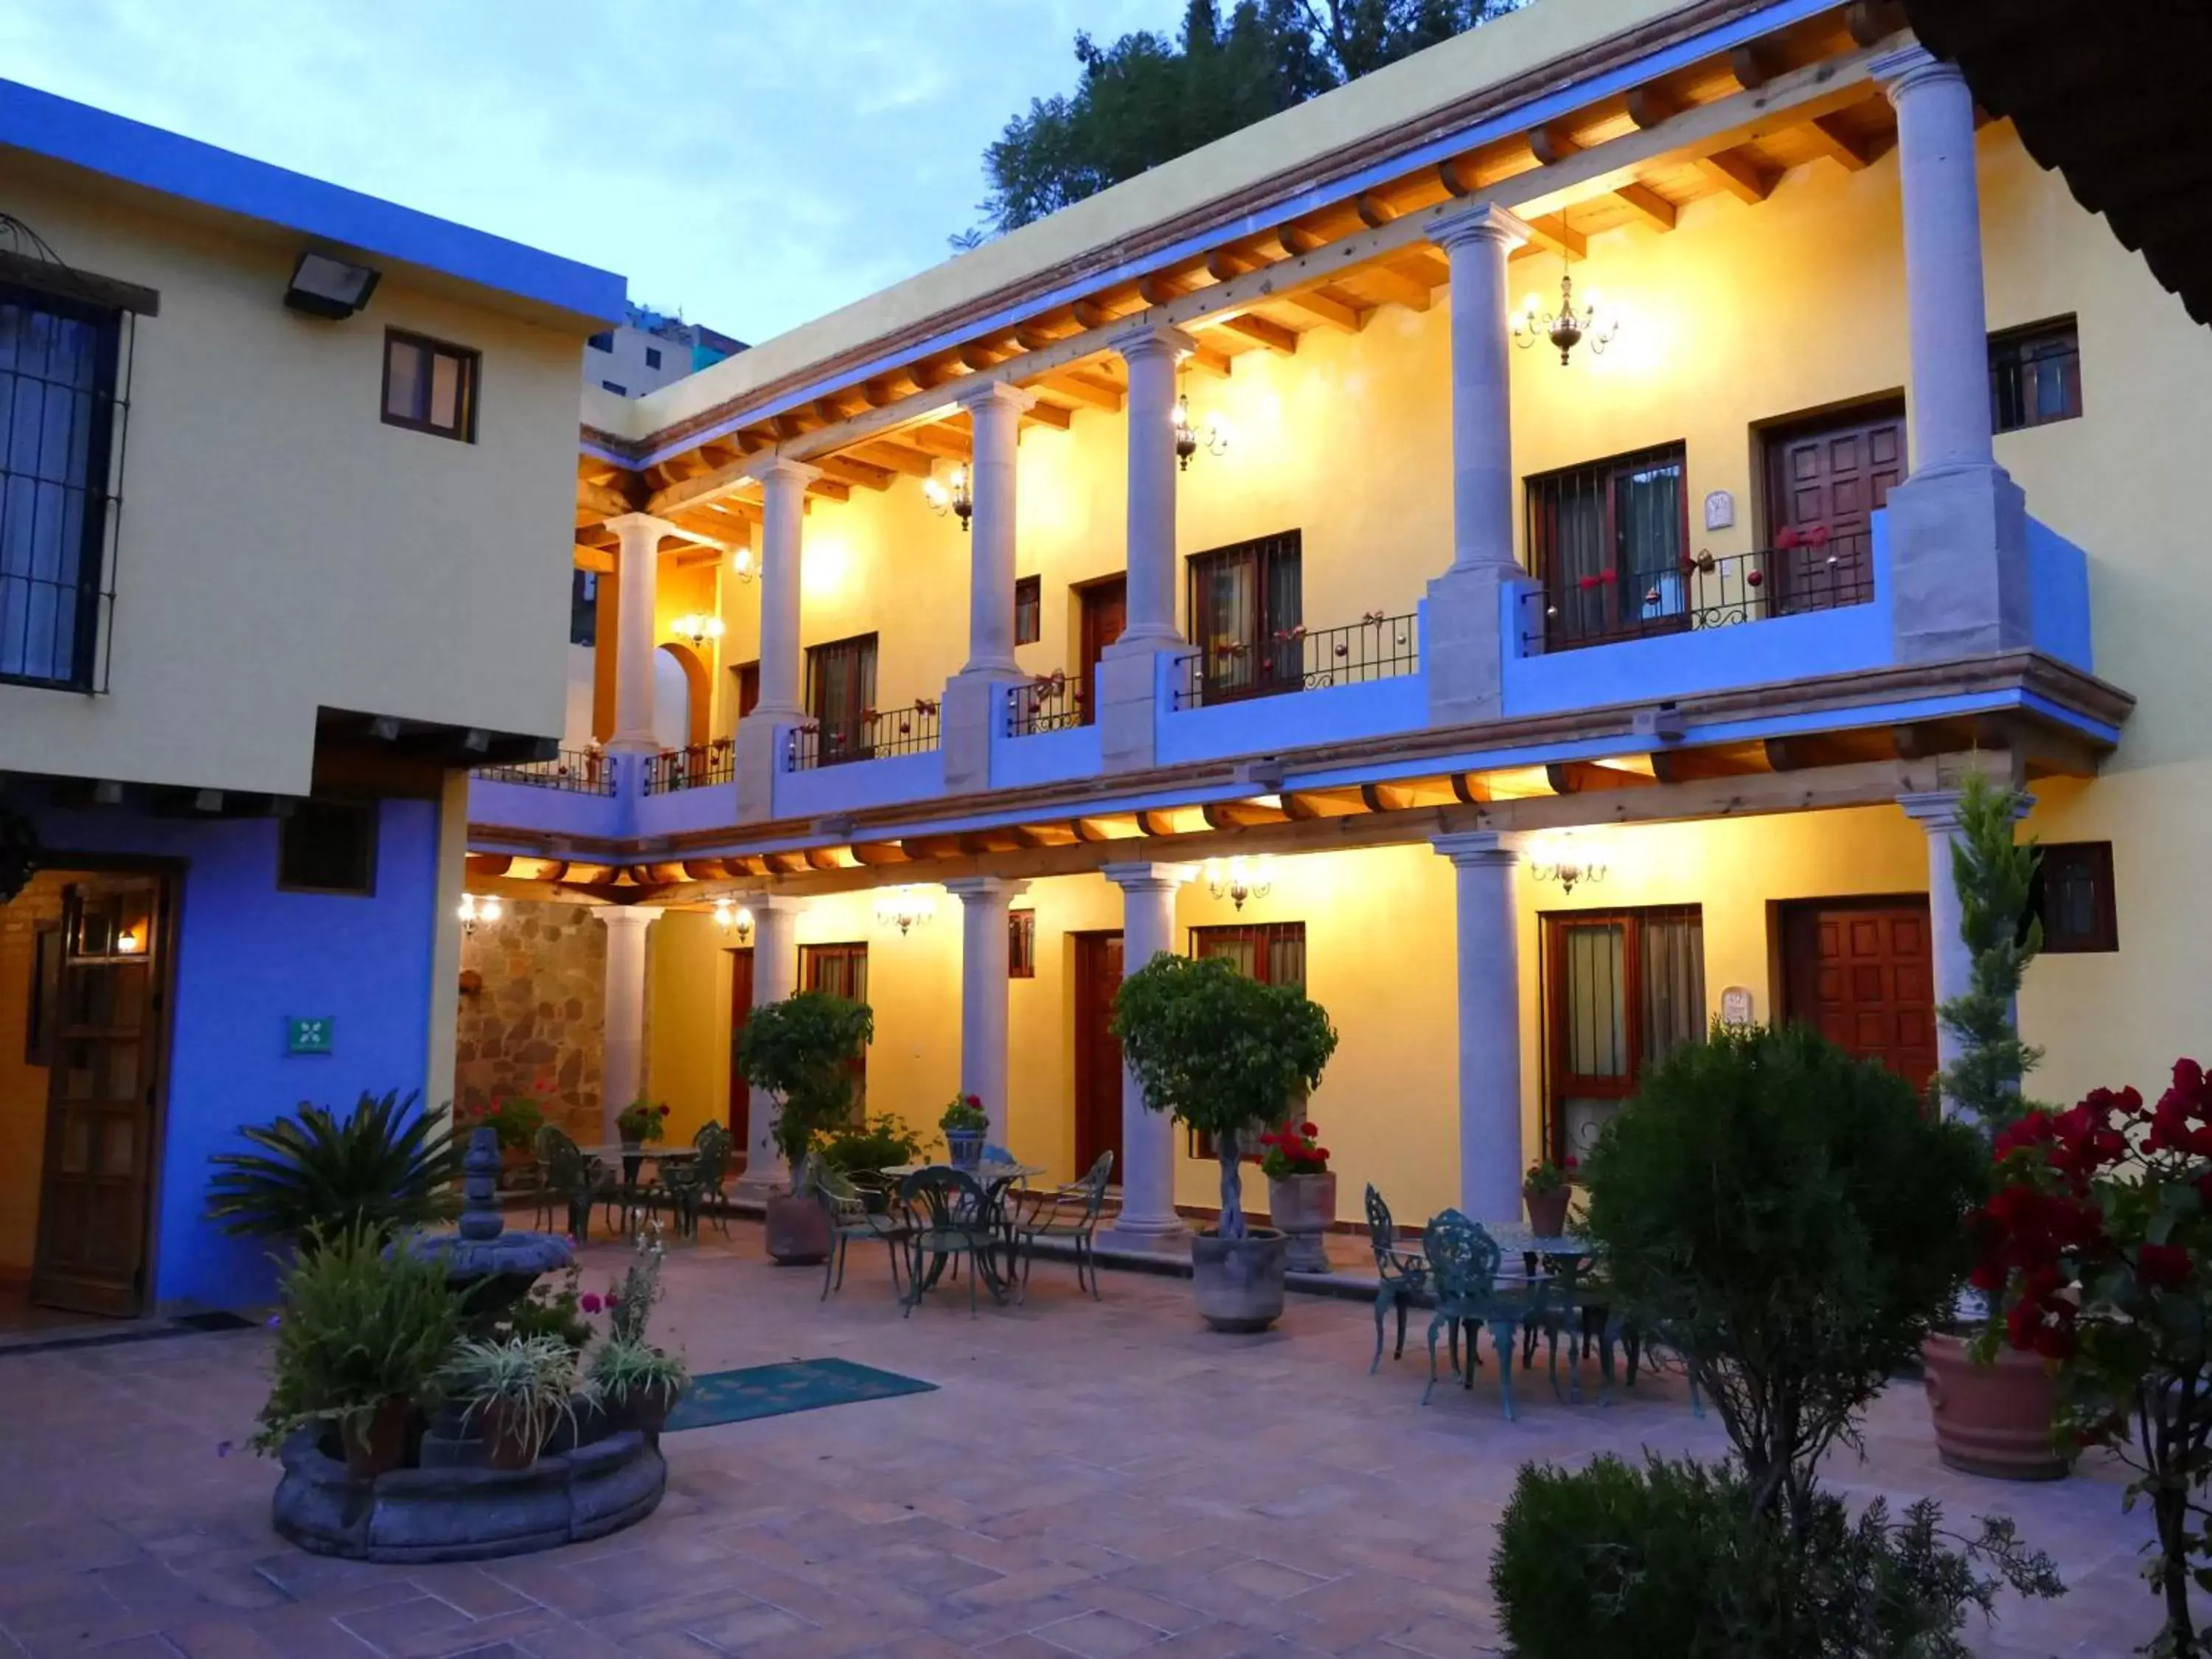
1092,1479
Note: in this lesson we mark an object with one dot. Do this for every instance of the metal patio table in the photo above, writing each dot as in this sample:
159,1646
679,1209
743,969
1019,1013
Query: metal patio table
995,1179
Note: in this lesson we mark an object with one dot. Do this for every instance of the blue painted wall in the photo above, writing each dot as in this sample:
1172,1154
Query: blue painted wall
248,957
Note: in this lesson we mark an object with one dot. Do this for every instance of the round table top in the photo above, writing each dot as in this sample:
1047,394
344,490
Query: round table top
989,1174
1516,1239
666,1154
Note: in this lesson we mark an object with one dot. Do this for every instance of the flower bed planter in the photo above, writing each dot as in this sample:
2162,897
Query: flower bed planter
1993,1420
1303,1206
1237,1283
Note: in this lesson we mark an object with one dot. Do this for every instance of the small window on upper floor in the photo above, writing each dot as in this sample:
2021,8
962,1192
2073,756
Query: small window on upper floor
2035,375
603,341
2072,895
328,847
1029,609
584,608
430,386
619,391
653,356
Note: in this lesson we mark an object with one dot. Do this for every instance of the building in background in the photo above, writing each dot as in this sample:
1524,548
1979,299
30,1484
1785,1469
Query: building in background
649,349
285,478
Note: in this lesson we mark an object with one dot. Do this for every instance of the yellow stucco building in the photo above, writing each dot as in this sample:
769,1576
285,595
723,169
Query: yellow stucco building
1526,545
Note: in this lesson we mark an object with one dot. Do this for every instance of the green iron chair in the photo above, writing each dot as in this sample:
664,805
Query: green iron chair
1402,1275
1462,1259
685,1188
1069,1213
574,1176
858,1212
947,1216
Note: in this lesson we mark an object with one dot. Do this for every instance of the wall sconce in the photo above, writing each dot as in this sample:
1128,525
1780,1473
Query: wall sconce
953,493
734,920
472,910
1566,327
698,628
130,942
1566,864
904,907
1189,439
741,563
1240,879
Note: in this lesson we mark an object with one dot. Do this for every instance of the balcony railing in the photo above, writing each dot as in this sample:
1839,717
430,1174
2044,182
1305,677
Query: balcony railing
868,735
1815,572
691,768
1376,647
576,771
1053,704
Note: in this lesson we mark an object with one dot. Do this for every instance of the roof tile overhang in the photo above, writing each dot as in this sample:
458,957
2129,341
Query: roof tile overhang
2110,94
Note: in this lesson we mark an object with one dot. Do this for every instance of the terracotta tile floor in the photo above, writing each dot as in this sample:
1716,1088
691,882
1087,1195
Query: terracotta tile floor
1091,1480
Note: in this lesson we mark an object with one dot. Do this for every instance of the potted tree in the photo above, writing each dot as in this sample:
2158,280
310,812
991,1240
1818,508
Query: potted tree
802,1050
1994,1407
1301,1192
1224,1055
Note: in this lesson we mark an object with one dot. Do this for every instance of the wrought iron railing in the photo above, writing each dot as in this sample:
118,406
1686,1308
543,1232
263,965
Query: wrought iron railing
575,771
1376,647
870,735
691,768
1053,704
1811,571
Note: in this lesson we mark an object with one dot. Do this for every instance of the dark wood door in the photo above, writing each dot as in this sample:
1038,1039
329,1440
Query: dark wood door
1858,971
1098,1051
98,1174
1105,613
1823,480
741,1010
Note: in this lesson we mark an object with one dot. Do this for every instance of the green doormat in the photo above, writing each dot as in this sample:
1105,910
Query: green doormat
772,1390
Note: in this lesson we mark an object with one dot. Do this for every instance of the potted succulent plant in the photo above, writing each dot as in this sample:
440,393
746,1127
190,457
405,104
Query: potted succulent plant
519,1390
966,1125
1221,1052
360,1338
1545,1191
802,1050
314,1174
1301,1192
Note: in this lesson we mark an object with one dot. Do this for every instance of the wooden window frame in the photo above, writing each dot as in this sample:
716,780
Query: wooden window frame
374,818
471,385
584,608
1029,609
1604,475
1021,945
2007,358
1558,1082
2104,935
1260,933
1275,645
42,1009
850,949
745,677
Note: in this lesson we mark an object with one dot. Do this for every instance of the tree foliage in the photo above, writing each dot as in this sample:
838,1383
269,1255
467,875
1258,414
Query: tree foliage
1146,99
801,1050
1992,873
1220,1052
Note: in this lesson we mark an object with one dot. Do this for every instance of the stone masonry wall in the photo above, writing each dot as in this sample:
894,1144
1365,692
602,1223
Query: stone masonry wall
536,1024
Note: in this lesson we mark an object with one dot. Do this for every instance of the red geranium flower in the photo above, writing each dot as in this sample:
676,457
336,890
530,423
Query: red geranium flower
1307,1129
2163,1266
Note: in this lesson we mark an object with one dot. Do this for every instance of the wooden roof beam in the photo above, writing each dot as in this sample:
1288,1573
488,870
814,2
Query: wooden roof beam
883,451
1273,335
1051,415
1552,233
1552,145
1397,285
1095,390
854,471
1846,150
1734,172
1329,310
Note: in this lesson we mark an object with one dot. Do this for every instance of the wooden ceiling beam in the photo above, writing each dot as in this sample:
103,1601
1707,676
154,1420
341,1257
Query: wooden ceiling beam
1051,415
1737,173
852,470
1845,150
1396,285
1273,335
1095,390
884,452
1334,312
939,439
1552,233
1654,210
600,502
1211,360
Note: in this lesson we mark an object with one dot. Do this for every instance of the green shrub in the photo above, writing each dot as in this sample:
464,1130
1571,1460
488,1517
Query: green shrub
801,1050
883,1141
553,1307
359,1325
1786,1218
1675,1559
384,1165
516,1120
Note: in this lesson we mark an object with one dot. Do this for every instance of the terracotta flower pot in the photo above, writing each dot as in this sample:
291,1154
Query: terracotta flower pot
379,1445
1304,1207
1238,1282
798,1231
509,1441
1548,1212
1995,1419
645,1410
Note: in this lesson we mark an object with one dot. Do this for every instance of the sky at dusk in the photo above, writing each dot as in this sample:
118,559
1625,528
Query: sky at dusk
753,164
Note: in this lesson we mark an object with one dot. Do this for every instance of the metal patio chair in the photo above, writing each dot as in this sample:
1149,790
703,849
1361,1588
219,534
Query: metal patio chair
1069,1213
1402,1275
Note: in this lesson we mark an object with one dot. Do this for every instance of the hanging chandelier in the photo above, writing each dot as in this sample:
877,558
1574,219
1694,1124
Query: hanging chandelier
1239,879
954,493
735,919
1567,863
698,628
905,907
1192,435
1567,327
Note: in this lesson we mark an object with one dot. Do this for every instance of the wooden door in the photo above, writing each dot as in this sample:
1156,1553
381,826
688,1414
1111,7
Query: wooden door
97,1179
741,1010
1858,971
1826,477
1105,612
1098,1050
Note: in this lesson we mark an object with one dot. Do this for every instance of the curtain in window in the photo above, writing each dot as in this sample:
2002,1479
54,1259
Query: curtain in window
1597,999
840,687
1648,512
1673,984
1246,603
49,383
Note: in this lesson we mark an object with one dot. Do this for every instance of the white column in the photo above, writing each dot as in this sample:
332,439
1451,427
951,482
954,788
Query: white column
995,411
775,976
1936,811
621,1064
1148,1215
1151,352
1949,322
984,901
1489,958
1477,242
783,517
637,567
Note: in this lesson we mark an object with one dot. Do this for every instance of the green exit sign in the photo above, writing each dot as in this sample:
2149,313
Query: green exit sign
308,1037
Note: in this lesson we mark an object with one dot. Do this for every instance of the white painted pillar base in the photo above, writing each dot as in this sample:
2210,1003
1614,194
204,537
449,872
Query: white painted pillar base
1488,951
1936,811
984,901
637,568
775,976
1148,1218
622,1063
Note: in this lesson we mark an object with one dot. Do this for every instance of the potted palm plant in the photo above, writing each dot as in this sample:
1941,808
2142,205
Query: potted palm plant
519,1390
802,1051
386,1164
1225,1055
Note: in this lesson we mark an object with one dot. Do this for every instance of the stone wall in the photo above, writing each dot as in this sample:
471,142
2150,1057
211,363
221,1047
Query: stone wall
535,1025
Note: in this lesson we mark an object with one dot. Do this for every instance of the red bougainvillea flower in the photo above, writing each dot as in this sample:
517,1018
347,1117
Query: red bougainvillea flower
1321,1152
2162,1266
1308,1130
664,1111
591,1304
